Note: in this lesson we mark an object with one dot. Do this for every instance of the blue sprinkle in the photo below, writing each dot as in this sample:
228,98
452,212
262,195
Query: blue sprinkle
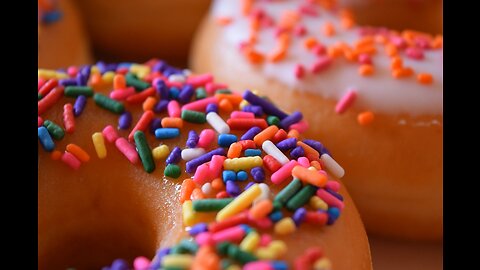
224,140
51,16
276,216
246,228
333,214
167,133
45,139
279,265
173,93
242,175
253,152
228,175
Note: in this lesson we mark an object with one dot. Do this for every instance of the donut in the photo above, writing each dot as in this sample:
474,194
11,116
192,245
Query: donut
154,27
62,40
373,95
154,166
398,14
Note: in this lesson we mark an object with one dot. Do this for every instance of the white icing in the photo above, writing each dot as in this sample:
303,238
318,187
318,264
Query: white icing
379,92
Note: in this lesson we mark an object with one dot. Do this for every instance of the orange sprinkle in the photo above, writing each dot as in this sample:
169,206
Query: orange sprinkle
391,50
364,42
313,177
149,103
96,79
366,49
78,152
350,55
366,70
56,155
253,56
365,118
277,55
328,29
186,190
347,19
225,105
246,6
261,209
293,133
437,43
265,134
119,82
217,184
172,122
310,153
234,151
334,51
316,164
254,24
223,20
310,42
425,78
206,258
396,63
197,194
402,72
288,19
381,39
253,37
234,99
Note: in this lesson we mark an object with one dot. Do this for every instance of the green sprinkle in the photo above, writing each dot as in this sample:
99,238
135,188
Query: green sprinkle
172,171
139,85
223,91
172,268
108,103
273,120
301,197
239,255
194,117
200,93
177,249
288,191
75,91
277,205
40,96
189,246
55,130
210,205
222,247
144,151
225,263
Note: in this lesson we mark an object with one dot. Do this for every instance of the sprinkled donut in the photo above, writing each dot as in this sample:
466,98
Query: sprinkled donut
153,167
373,95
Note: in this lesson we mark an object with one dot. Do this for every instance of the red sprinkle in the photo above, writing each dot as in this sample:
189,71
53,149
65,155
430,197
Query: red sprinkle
68,118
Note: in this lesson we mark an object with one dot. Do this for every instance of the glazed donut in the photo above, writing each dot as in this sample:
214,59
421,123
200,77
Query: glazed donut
62,39
373,95
153,27
422,15
106,134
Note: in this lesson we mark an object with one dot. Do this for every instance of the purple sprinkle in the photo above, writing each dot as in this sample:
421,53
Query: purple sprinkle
267,107
162,89
335,194
159,67
198,228
119,264
79,105
251,183
258,174
212,107
125,120
297,152
194,163
287,144
161,106
250,133
299,216
333,214
186,93
193,138
85,71
317,146
67,82
232,188
155,124
291,119
175,156
256,110
157,261
81,79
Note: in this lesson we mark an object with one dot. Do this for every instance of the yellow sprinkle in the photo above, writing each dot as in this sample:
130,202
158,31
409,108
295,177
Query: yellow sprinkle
160,152
177,260
322,264
94,70
318,203
242,164
264,253
99,144
141,71
250,242
240,203
107,77
51,74
285,226
234,267
279,248
189,218
243,103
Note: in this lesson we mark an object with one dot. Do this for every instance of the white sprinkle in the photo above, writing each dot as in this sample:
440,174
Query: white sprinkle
207,188
191,153
332,166
264,195
273,151
187,72
217,123
176,78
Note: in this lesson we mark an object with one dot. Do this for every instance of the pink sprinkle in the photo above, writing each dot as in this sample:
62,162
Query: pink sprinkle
422,42
415,53
301,126
173,84
206,138
333,185
200,80
258,265
299,71
202,174
284,172
141,263
346,101
72,71
216,166
319,49
122,94
304,162
173,109
212,87
71,160
234,234
199,105
265,240
41,82
299,30
308,10
330,199
399,42
127,149
279,31
240,114
204,238
365,59
321,64
110,133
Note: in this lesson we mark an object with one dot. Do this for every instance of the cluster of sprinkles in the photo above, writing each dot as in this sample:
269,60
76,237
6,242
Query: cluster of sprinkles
220,163
371,41
48,11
